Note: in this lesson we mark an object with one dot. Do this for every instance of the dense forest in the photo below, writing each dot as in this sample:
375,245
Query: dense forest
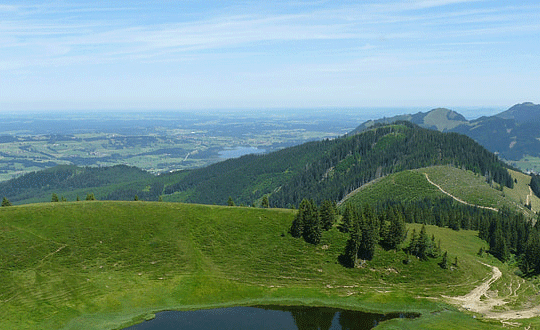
329,169
65,178
320,170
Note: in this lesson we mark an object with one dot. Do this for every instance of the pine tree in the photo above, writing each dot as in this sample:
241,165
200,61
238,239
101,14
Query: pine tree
397,231
312,225
230,201
90,197
350,254
369,226
348,219
136,198
297,227
327,214
5,202
54,198
265,203
444,261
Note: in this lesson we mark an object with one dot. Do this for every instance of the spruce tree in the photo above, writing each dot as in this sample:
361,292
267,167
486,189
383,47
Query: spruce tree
327,214
54,198
350,254
444,261
5,202
297,227
265,203
230,201
312,226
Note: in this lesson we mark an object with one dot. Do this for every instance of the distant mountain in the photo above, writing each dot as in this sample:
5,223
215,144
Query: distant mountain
513,134
440,119
522,113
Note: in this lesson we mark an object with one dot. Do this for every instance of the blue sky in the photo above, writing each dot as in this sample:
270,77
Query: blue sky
68,55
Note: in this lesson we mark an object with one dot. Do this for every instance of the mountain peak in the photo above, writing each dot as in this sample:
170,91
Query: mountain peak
522,113
443,119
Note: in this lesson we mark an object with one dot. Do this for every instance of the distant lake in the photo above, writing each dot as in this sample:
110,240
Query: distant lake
239,152
266,317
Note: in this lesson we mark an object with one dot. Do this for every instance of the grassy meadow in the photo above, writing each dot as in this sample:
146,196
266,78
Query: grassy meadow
105,265
465,185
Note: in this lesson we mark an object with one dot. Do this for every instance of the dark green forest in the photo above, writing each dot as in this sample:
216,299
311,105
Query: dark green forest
320,170
330,169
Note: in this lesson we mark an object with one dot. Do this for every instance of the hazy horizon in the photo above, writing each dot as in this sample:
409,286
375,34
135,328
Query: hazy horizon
252,55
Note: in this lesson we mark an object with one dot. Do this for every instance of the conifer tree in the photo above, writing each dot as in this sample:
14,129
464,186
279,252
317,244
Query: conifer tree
444,261
54,198
265,203
230,201
312,225
348,219
350,254
297,227
5,202
327,214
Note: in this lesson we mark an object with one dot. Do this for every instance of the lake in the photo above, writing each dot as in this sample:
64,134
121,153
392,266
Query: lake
267,317
239,151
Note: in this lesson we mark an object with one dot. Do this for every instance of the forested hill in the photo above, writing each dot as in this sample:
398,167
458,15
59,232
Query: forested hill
321,170
514,133
330,169
69,180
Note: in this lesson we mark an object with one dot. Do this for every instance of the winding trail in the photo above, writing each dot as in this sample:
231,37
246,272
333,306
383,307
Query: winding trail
474,302
457,199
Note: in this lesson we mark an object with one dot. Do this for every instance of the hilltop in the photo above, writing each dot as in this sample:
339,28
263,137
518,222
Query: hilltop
99,265
512,134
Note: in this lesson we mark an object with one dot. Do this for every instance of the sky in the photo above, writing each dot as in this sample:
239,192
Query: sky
260,55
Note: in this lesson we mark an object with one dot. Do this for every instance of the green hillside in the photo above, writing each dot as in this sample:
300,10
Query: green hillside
99,265
71,181
465,185
330,169
319,170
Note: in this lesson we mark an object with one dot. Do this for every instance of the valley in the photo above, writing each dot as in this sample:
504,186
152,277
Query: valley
108,264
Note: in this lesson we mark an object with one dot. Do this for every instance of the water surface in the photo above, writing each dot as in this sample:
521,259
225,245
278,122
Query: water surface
266,317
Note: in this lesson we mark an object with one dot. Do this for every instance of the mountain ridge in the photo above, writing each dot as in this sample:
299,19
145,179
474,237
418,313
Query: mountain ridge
513,134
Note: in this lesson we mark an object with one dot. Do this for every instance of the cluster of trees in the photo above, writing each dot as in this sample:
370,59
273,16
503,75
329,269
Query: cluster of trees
509,234
311,220
55,199
386,226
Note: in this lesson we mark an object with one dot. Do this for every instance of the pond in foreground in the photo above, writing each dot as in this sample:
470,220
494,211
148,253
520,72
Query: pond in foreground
267,317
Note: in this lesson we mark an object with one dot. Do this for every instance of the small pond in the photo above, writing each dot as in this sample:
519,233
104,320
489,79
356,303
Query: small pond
267,317
239,151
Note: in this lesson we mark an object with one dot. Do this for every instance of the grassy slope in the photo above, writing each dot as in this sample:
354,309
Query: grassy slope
465,185
96,265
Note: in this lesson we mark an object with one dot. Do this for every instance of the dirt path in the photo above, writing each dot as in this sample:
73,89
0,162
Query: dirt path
472,301
529,196
457,199
481,300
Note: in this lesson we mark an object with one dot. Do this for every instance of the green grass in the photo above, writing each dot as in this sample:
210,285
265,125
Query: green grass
473,188
406,186
103,265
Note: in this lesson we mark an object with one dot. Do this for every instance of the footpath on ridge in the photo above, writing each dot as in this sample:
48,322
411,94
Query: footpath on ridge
457,199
